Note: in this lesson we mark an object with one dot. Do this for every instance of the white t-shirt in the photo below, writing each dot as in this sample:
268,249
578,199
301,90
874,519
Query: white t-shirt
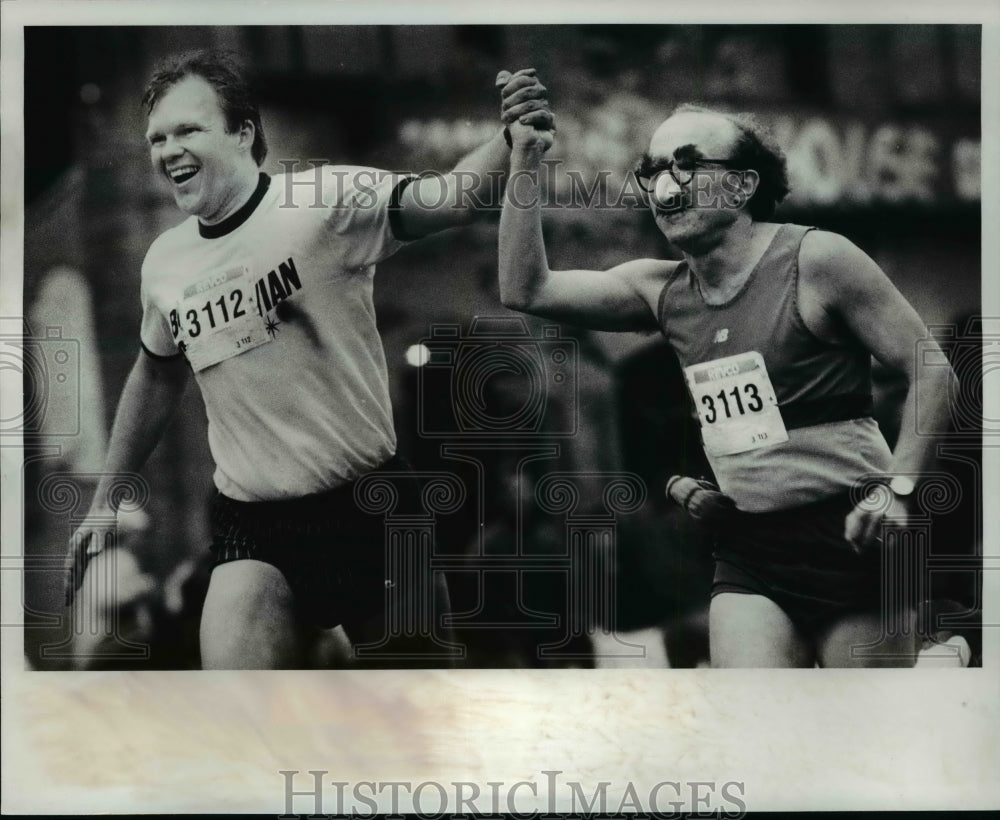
276,318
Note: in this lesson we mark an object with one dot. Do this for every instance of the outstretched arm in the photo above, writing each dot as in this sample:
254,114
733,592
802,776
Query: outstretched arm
601,300
152,393
433,203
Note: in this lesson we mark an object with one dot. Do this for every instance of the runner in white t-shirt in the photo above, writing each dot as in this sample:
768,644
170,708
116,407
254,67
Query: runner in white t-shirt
265,294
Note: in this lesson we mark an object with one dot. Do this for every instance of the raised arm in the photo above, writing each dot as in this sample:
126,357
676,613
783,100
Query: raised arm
601,300
433,203
855,291
152,393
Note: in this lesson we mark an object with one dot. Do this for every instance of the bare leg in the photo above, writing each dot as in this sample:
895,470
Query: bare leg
248,621
751,631
860,641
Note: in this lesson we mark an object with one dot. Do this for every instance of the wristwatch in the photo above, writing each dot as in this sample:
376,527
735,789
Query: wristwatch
902,486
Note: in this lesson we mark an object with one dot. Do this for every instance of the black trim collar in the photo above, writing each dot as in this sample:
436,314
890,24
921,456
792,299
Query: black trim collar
157,356
234,220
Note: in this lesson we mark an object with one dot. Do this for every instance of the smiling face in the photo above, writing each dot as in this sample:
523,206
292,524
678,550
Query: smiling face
208,170
704,206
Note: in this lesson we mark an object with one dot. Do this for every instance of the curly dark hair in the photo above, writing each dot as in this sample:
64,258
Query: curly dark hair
223,71
757,150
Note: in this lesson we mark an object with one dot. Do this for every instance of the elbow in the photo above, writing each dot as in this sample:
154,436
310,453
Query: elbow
943,378
514,302
512,295
935,387
514,298
522,287
951,384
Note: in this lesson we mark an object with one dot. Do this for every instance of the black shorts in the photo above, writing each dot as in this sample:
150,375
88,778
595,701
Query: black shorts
332,553
799,559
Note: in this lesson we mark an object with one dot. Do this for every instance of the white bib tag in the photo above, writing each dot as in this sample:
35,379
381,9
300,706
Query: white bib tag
736,404
217,318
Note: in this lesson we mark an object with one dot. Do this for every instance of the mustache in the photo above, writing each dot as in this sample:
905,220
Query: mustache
672,205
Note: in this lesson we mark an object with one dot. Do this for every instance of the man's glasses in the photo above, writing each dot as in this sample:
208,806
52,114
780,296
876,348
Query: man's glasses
682,170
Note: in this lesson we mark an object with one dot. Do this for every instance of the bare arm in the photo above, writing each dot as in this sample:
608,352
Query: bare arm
854,290
433,203
602,300
152,393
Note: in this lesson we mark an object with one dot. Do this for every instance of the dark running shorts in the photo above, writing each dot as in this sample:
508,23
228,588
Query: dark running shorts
799,559
331,553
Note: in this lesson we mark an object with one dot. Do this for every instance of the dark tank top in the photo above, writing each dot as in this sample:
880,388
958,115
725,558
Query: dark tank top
823,389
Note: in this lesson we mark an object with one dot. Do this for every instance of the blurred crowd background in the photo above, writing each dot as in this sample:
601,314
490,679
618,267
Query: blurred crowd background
881,125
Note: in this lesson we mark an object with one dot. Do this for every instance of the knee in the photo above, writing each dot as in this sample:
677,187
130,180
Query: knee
865,642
